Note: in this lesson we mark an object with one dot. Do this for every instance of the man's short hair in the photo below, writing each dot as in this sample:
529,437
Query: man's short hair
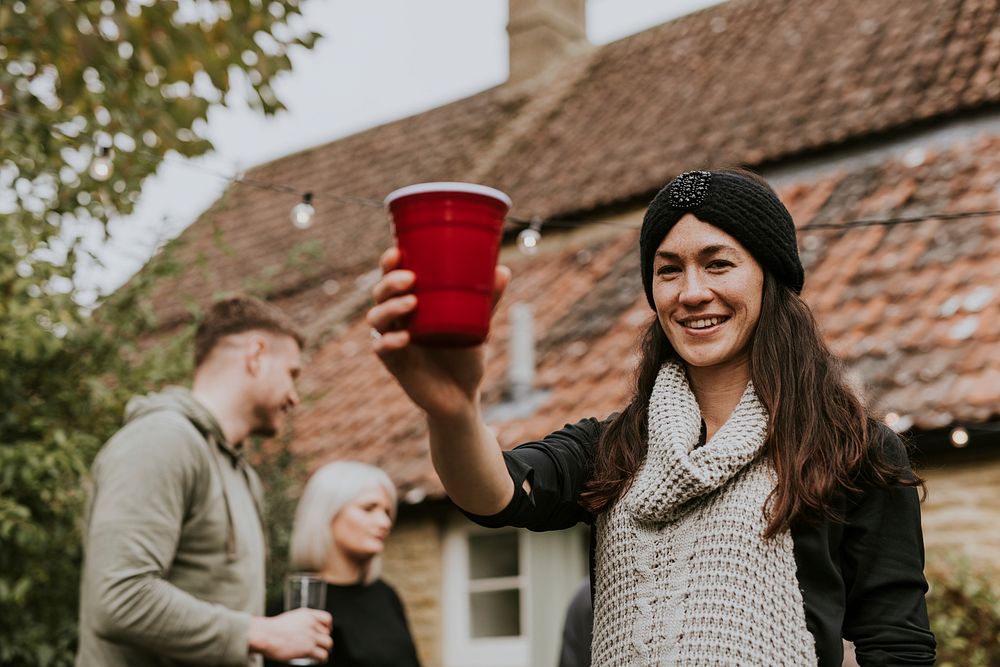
236,315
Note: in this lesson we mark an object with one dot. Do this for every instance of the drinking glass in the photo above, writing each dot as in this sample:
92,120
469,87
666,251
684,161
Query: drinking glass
304,589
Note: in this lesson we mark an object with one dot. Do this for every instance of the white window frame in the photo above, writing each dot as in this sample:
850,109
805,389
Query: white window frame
460,648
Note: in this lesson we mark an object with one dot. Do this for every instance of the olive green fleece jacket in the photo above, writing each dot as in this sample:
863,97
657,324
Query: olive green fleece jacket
174,546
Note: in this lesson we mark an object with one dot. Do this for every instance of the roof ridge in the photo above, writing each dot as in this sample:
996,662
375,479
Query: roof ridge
549,91
360,134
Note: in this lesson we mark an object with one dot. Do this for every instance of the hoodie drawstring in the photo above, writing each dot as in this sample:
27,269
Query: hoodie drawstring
230,524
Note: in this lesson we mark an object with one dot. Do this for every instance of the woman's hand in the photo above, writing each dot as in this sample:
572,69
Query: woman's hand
443,382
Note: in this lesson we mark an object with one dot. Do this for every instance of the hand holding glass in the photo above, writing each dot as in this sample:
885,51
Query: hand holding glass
304,589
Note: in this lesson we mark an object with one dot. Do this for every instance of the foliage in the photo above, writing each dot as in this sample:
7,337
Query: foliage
64,394
137,77
281,474
964,608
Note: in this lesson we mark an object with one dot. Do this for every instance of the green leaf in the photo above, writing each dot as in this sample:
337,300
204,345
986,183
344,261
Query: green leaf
63,395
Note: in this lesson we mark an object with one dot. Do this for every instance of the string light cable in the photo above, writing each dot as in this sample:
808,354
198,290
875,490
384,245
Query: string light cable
101,168
303,211
961,436
529,237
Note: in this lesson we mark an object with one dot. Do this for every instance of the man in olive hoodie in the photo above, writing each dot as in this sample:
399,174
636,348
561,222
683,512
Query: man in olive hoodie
174,545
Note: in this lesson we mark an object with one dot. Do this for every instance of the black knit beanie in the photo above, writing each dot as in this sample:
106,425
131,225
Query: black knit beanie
736,203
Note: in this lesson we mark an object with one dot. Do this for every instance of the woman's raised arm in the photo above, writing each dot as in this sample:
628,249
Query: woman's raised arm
445,384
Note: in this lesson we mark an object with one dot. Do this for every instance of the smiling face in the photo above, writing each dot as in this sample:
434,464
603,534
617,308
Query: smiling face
360,529
279,363
708,290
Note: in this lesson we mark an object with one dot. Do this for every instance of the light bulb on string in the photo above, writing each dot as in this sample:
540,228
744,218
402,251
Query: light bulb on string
303,212
529,237
959,437
101,166
891,419
898,422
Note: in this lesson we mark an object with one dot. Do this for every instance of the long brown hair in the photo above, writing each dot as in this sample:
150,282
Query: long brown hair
820,439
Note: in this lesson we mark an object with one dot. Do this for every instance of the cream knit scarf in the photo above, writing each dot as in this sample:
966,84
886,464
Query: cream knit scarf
683,574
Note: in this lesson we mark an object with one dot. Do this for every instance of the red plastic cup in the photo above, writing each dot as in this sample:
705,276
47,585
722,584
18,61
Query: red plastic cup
449,236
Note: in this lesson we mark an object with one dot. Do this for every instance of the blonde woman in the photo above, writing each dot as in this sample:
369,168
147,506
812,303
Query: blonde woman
342,521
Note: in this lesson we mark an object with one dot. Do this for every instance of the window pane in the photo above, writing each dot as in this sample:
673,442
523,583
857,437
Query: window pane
496,614
493,555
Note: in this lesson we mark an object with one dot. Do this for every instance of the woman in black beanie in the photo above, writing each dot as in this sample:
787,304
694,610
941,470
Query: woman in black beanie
747,510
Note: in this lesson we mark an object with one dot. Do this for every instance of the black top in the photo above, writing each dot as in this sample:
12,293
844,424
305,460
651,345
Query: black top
861,580
369,627
578,629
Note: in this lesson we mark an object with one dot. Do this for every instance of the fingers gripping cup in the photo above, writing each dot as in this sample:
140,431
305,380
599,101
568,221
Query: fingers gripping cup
449,236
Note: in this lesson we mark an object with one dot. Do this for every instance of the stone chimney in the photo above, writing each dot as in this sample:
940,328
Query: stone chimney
521,359
542,33
521,398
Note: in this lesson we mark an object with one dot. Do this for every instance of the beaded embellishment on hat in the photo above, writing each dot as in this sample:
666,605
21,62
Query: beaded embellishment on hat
689,189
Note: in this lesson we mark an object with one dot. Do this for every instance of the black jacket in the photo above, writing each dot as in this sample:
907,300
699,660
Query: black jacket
861,579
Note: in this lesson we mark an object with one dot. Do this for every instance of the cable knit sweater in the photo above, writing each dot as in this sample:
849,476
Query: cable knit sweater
681,574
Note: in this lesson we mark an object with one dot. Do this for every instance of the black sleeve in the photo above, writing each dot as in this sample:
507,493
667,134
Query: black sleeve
883,567
557,466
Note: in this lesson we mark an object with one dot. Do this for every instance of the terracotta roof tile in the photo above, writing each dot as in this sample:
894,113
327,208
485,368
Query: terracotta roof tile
748,81
714,87
247,242
914,311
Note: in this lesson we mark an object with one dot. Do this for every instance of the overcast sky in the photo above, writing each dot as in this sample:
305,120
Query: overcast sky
380,60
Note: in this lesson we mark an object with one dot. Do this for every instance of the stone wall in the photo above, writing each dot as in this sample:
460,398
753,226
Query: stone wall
961,516
413,566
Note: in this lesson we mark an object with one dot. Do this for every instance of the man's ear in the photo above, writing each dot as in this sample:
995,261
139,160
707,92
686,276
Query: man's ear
256,347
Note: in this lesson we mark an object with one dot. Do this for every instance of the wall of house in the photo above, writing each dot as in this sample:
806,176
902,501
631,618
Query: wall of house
961,515
413,566
554,563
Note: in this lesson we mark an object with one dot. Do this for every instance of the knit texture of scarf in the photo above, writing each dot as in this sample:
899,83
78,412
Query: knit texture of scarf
683,574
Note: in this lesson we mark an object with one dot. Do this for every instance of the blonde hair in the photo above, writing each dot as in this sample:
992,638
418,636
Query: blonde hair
326,493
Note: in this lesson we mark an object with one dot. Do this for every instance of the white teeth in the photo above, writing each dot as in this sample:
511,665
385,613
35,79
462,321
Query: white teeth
703,324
